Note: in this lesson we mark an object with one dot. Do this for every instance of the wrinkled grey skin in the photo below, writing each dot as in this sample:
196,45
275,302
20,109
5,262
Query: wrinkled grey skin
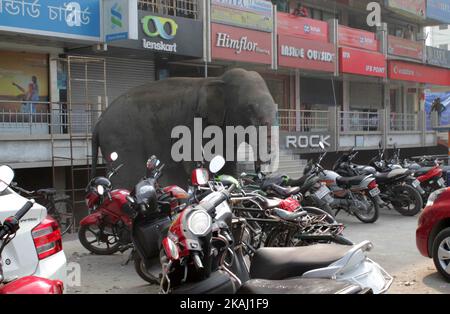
139,123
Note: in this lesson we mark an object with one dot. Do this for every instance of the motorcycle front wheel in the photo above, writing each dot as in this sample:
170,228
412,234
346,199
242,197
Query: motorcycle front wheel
142,270
98,240
371,214
408,200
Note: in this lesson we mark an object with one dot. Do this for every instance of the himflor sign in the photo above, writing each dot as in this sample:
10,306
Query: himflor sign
300,53
237,44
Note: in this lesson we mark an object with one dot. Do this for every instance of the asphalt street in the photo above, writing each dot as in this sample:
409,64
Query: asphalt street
394,249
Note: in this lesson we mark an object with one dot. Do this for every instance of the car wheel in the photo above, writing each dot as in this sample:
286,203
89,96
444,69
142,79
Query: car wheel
441,253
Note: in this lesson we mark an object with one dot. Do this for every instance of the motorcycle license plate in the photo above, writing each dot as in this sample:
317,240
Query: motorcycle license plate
322,192
416,183
374,192
441,183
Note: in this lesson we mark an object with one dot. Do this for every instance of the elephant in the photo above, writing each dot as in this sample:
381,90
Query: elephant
139,123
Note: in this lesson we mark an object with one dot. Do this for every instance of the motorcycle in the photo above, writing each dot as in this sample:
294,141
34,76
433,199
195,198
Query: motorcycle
8,231
357,195
106,230
202,254
393,181
151,208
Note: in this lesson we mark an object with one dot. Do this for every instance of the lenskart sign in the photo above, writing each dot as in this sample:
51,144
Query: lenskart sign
167,34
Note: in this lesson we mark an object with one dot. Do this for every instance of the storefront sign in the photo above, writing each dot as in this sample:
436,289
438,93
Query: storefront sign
356,61
439,57
238,44
67,19
292,25
414,8
294,52
120,19
357,38
405,48
439,10
168,34
305,143
405,71
253,14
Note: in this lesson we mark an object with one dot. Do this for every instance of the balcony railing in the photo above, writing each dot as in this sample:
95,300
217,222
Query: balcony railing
183,8
401,122
303,120
356,121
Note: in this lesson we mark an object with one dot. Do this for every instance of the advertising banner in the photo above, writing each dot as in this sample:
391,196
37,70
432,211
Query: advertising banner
120,20
405,71
23,80
294,52
66,19
413,8
356,61
238,44
357,38
439,10
255,14
439,57
292,25
168,34
405,48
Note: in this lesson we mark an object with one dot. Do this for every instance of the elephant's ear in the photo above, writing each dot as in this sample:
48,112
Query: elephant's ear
211,102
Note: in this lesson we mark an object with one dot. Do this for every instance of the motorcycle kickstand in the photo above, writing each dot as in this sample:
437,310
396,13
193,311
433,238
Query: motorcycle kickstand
129,259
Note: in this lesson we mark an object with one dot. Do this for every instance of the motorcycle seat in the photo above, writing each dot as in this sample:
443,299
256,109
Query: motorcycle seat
282,263
298,286
49,191
285,191
269,203
348,181
285,215
394,174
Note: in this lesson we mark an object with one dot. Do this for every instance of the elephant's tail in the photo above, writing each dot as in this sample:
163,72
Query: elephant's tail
95,145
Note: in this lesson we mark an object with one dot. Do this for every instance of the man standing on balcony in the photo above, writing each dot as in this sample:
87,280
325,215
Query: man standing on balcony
30,95
438,107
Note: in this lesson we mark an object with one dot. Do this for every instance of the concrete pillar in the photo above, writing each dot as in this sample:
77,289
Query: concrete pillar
60,179
54,106
346,102
297,101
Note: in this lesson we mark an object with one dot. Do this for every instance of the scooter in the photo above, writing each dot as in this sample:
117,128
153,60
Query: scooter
106,230
8,230
202,254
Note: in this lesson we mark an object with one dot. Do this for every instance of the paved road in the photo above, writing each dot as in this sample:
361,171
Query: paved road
393,237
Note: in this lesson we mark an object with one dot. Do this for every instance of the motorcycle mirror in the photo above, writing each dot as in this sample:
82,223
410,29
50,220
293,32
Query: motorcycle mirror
216,164
113,156
6,177
243,174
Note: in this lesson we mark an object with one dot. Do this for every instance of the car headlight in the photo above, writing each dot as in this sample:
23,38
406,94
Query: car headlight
199,222
434,196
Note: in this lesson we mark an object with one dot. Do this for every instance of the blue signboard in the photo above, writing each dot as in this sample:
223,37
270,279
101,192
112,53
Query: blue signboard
439,10
79,19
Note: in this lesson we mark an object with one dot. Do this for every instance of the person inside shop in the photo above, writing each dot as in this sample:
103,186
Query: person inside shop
438,107
301,11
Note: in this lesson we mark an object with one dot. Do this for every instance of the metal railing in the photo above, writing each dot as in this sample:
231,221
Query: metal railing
303,120
40,118
401,122
183,8
356,121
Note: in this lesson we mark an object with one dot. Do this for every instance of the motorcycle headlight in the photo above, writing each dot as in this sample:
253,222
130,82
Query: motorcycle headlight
199,222
100,189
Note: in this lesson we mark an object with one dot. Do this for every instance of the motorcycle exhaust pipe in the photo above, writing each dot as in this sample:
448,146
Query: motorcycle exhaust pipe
198,262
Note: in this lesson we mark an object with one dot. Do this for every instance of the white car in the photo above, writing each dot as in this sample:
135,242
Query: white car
37,247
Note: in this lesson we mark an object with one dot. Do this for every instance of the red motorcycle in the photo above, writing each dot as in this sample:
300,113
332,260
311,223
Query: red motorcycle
107,229
430,180
28,284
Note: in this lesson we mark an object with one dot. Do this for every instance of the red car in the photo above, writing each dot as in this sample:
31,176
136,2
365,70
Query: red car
433,232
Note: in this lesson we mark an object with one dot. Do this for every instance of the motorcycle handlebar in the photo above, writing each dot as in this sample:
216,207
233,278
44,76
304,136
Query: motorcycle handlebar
225,195
19,215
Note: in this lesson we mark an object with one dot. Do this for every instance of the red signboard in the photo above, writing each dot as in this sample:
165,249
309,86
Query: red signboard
406,71
295,52
357,61
405,48
357,38
239,44
289,24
